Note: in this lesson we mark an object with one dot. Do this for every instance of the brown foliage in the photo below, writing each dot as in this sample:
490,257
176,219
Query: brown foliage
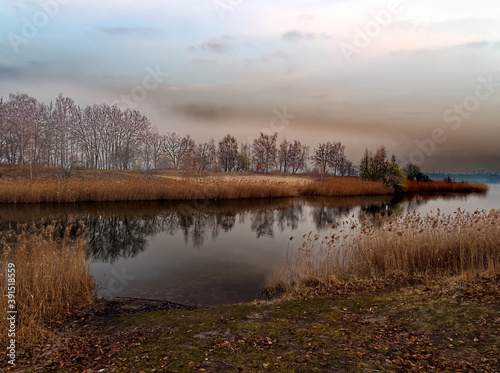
137,189
408,248
52,279
444,187
344,186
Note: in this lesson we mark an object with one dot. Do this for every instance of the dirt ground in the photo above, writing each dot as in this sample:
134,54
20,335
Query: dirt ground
452,327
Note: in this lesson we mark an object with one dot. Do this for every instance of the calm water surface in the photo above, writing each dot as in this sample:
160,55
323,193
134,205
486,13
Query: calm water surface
209,253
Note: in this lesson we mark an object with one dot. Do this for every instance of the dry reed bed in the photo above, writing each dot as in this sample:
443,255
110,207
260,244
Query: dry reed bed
444,187
409,248
157,189
137,189
344,187
52,280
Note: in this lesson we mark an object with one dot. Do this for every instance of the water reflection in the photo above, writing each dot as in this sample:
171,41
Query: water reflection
203,252
123,230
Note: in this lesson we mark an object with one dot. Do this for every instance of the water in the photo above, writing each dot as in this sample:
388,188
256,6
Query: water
209,253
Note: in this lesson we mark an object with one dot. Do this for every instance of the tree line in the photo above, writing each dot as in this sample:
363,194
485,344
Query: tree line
63,135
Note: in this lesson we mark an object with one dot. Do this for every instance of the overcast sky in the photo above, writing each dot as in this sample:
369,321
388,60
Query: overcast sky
421,77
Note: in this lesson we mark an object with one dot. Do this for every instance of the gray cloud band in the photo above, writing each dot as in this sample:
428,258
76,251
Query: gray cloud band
456,115
139,93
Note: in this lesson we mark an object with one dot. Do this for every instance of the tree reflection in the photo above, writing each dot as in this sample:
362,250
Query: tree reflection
112,238
324,216
261,222
124,230
290,216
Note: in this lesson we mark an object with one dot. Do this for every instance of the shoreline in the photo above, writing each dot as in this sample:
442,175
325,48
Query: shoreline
131,186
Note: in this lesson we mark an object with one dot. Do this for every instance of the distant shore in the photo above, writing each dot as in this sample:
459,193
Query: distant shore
169,185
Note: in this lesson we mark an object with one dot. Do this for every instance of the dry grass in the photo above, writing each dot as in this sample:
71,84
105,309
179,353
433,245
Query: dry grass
444,187
343,187
409,248
137,189
52,280
118,186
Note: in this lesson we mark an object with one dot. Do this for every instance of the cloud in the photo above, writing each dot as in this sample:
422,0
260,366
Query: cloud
304,17
132,31
295,36
205,111
39,63
277,54
217,45
8,72
434,52
476,44
205,62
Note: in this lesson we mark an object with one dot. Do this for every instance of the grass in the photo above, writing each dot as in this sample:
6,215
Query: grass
127,185
444,187
410,248
136,189
443,327
52,280
343,187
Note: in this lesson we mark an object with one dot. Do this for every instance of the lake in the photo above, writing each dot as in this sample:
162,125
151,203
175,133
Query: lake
213,252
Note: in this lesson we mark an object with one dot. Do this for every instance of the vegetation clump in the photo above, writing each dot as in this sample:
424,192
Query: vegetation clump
52,279
410,248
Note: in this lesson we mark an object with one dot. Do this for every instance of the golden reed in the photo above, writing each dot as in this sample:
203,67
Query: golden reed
52,277
409,248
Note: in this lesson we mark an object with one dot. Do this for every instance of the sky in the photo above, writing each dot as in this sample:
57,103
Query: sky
421,77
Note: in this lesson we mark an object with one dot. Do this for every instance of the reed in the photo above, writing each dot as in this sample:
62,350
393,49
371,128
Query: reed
444,187
52,280
409,248
343,187
138,189
108,187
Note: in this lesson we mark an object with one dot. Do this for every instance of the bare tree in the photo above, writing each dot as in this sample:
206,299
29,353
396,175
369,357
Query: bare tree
284,156
264,152
134,130
298,156
228,152
336,156
177,147
329,156
156,142
21,114
212,155
321,158
346,168
244,158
